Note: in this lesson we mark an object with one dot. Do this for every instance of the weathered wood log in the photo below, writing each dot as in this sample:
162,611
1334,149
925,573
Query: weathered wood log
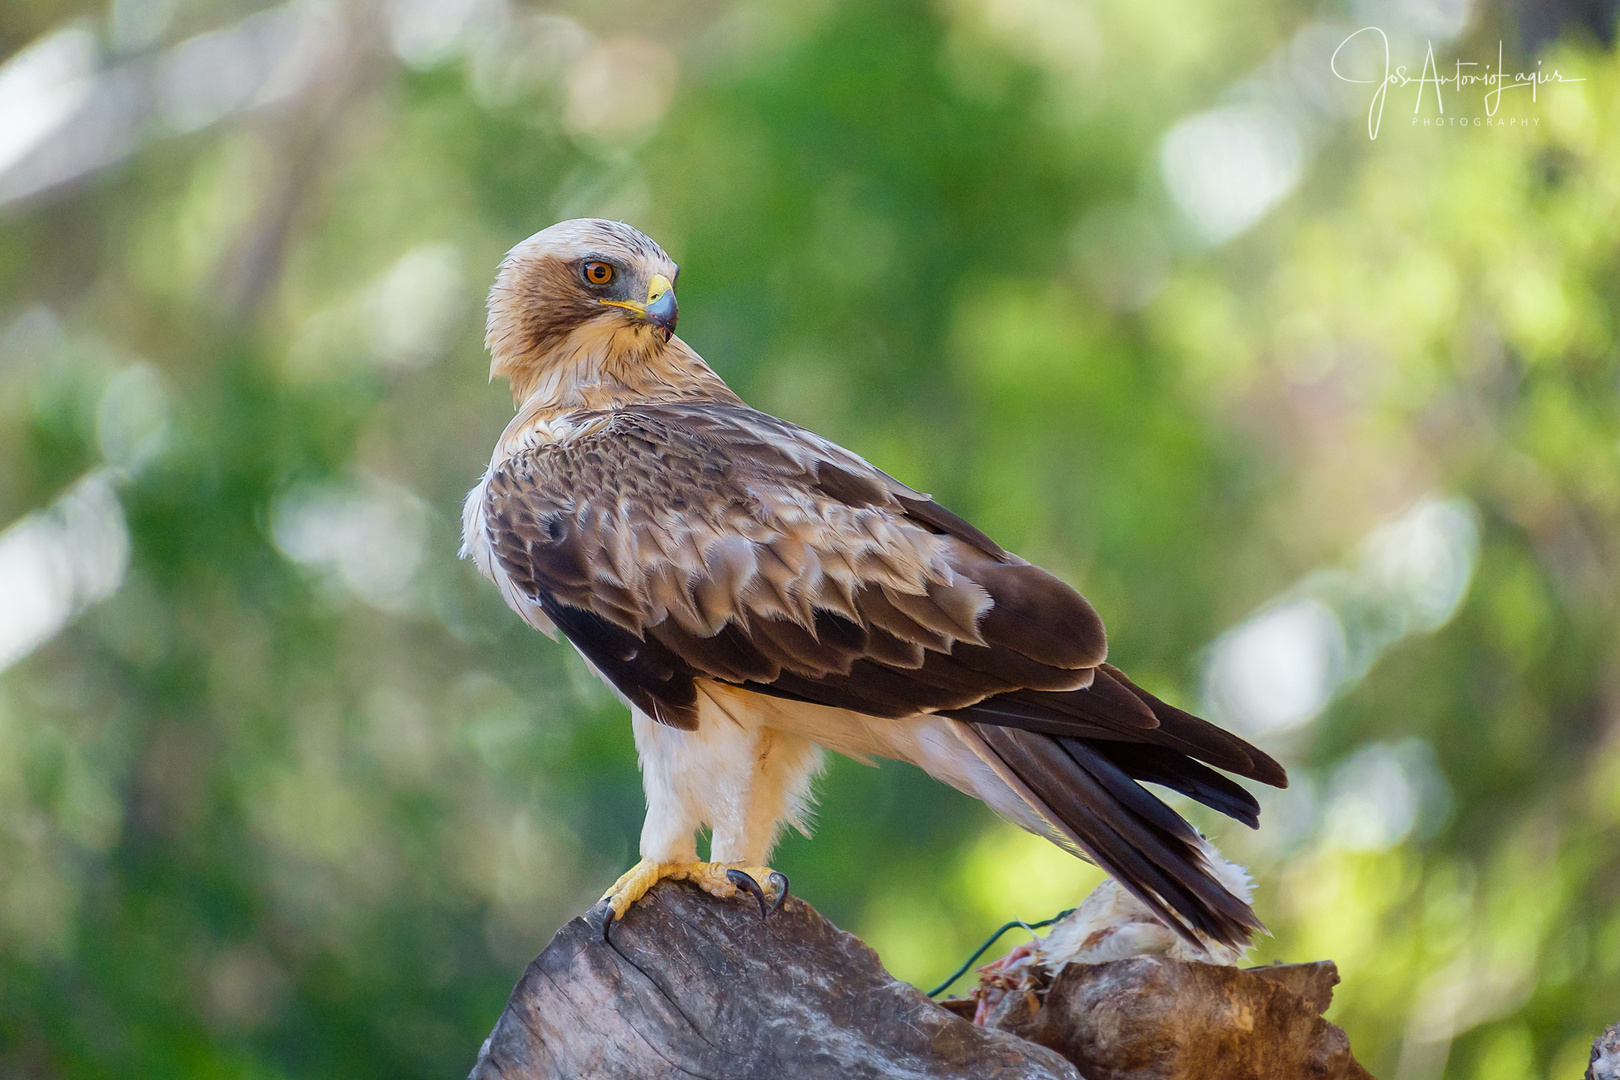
690,986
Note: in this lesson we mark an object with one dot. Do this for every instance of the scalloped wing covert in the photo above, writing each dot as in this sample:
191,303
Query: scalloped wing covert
674,542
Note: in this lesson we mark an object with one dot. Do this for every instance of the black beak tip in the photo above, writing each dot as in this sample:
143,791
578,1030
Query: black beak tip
662,313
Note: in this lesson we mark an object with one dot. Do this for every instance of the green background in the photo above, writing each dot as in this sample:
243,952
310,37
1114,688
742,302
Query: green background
285,791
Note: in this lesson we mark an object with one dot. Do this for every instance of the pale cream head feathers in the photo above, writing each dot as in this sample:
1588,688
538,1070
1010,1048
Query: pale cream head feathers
582,303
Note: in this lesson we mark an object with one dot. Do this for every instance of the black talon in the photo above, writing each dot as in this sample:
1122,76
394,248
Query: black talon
779,881
749,886
607,916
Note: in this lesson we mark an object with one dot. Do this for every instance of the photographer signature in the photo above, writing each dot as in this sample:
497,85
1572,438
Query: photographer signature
1498,80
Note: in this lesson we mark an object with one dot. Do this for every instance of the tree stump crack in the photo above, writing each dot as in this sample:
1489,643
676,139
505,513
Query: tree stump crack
667,996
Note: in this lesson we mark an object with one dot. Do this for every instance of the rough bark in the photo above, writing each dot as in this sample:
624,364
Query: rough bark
1605,1063
689,986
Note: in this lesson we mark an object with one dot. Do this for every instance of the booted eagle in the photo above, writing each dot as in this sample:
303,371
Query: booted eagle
756,593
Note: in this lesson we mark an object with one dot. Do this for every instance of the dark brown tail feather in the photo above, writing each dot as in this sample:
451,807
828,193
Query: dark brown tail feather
1081,753
1114,709
1201,739
1125,830
1178,772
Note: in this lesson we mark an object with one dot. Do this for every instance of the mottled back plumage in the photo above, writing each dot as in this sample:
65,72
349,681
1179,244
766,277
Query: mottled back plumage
719,542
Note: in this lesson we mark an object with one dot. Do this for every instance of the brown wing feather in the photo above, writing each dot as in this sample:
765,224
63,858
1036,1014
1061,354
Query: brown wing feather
754,552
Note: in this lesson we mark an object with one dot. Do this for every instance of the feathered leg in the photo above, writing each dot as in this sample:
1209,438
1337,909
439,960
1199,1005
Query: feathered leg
734,775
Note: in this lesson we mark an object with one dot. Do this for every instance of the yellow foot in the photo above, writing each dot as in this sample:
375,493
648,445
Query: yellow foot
719,879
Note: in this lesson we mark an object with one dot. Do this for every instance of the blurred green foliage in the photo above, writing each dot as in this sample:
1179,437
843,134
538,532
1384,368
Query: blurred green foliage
292,794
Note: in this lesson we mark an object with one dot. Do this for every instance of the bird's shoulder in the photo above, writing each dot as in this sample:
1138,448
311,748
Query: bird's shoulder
702,459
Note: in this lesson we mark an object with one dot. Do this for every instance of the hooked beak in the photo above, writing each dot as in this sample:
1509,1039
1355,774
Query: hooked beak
659,310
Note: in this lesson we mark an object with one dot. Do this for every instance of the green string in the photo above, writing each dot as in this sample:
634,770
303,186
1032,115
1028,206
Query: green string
991,940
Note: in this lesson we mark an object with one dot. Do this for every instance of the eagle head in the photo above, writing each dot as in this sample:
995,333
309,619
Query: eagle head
578,300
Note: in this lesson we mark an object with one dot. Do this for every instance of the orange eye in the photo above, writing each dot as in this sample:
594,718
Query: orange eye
598,273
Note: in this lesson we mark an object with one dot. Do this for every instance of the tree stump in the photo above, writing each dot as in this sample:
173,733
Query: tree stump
690,986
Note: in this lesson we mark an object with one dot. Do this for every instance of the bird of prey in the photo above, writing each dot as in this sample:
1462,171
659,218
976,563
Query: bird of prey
756,593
